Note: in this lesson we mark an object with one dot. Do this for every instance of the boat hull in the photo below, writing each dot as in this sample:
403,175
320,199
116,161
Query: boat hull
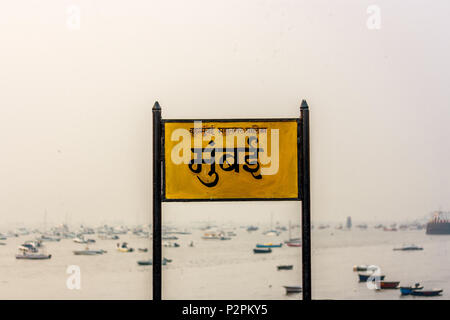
285,267
365,277
389,284
427,293
34,257
407,290
293,289
269,245
438,228
262,250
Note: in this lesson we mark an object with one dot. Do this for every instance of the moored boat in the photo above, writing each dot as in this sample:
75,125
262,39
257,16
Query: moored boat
149,262
269,245
262,250
389,284
411,247
427,293
293,289
439,224
365,268
285,267
363,277
33,256
294,243
407,290
124,247
88,252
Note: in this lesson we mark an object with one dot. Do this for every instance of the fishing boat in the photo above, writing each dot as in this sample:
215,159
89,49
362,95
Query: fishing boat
407,290
262,250
389,284
150,262
411,247
269,245
33,256
363,277
427,293
295,244
293,289
365,268
171,244
80,240
88,252
285,267
271,233
124,247
211,236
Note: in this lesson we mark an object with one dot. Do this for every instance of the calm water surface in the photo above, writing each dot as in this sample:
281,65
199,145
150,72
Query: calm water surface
215,269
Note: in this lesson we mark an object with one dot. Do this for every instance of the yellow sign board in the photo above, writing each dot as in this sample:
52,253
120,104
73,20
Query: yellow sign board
231,160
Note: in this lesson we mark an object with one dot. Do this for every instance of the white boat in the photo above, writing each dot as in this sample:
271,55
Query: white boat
79,240
33,256
88,252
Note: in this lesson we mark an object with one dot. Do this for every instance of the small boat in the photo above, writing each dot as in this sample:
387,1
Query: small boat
2,244
49,238
171,245
169,238
269,245
262,250
80,240
411,247
294,244
33,256
124,247
271,233
88,252
427,293
365,268
150,262
293,289
363,277
211,236
285,267
142,249
224,238
389,284
407,290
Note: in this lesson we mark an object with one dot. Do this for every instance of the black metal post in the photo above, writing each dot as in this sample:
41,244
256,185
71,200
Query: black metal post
157,252
306,202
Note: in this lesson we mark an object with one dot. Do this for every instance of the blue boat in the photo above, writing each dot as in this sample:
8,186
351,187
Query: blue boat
408,290
269,245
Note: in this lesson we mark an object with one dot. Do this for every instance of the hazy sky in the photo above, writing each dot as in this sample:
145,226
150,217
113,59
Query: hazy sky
75,105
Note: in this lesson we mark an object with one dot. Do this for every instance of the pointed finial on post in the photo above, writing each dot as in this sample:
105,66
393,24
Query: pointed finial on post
304,105
156,106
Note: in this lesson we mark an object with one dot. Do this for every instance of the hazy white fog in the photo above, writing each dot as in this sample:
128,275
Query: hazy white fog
75,105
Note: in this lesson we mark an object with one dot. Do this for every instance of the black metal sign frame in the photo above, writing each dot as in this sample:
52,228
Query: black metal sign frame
303,178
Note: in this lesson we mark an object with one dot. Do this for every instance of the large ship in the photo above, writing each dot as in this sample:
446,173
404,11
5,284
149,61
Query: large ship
439,223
